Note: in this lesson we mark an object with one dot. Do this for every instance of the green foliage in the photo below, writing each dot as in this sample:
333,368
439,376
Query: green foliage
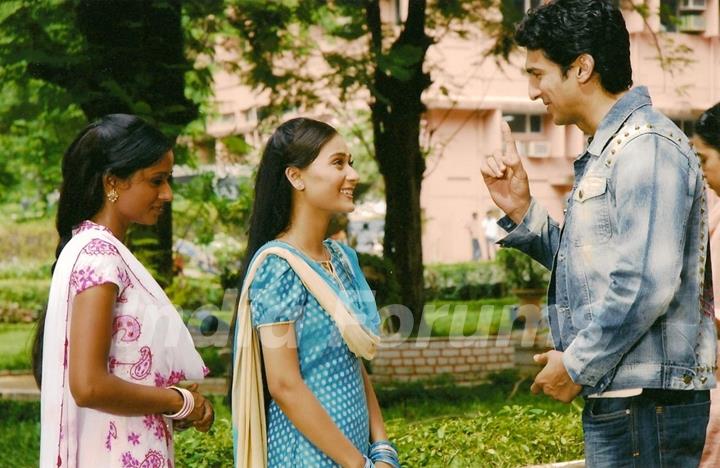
514,436
378,272
22,299
521,271
463,281
20,432
193,293
214,449
15,344
29,244
444,425
484,317
217,363
200,212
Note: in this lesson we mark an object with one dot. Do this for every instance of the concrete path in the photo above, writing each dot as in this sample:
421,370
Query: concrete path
22,387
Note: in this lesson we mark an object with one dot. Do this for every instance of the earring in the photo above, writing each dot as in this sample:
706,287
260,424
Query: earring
112,195
300,186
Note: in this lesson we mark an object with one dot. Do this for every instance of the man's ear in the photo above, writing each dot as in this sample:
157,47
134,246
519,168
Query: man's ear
584,67
294,176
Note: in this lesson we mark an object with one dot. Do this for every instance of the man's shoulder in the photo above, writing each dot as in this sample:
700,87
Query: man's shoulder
652,126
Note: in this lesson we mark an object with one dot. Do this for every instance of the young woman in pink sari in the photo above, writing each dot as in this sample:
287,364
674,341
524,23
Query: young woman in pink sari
111,347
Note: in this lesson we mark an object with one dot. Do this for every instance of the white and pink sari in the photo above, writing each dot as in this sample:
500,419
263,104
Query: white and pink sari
150,346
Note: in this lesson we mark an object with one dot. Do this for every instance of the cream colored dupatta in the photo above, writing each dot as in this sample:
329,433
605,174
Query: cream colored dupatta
248,405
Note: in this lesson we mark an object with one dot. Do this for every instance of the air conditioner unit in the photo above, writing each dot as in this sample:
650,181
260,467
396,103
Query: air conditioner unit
692,5
691,23
537,149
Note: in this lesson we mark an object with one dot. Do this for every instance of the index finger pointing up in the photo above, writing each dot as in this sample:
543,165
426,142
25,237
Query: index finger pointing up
510,150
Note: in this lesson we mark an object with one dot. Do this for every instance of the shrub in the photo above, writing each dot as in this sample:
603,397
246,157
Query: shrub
214,360
15,345
521,271
193,293
463,281
379,274
514,436
213,449
28,241
21,300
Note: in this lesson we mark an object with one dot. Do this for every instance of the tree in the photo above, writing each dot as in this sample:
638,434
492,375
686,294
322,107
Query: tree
103,57
309,52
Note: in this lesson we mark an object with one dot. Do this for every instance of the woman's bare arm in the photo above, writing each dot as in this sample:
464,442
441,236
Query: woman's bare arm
92,386
295,399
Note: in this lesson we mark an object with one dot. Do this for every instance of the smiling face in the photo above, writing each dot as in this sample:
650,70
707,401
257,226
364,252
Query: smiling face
710,159
559,92
329,181
142,197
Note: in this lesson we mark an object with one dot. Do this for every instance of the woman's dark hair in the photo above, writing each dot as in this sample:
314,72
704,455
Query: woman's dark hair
566,29
295,143
707,126
116,144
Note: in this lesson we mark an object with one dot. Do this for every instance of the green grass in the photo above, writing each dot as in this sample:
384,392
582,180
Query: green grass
484,317
15,345
20,433
446,425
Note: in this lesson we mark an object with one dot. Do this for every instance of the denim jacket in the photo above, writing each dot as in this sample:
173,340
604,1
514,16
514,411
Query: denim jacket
630,300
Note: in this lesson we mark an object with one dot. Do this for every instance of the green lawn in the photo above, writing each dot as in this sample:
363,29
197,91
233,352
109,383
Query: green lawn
482,317
483,426
15,345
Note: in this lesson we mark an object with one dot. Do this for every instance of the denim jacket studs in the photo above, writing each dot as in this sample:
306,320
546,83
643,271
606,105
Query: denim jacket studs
629,301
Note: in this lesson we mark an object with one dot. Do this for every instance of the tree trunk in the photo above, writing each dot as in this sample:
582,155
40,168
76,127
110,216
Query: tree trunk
396,114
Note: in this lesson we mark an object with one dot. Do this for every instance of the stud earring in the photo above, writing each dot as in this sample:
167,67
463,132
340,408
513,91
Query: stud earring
112,195
301,186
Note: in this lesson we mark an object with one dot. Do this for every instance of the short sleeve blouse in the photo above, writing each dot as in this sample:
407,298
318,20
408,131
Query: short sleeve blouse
277,295
99,263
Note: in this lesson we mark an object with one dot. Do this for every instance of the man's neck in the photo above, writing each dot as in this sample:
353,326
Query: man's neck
600,105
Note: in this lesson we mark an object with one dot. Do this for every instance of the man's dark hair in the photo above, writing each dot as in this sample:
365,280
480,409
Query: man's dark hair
565,29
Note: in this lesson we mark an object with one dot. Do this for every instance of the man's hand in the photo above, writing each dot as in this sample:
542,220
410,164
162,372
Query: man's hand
554,380
506,178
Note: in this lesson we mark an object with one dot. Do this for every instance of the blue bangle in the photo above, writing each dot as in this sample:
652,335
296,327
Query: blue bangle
384,451
368,462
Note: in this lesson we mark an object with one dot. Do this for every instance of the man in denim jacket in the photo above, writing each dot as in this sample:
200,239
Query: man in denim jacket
630,302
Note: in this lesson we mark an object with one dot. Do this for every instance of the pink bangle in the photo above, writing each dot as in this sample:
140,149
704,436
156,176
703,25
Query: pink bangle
188,403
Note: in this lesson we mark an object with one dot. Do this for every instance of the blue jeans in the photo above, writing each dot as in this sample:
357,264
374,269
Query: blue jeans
659,428
475,249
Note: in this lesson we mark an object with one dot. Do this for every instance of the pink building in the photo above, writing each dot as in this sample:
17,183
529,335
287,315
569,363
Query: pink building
463,122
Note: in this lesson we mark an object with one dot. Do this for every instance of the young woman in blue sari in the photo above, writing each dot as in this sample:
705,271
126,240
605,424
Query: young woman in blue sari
306,316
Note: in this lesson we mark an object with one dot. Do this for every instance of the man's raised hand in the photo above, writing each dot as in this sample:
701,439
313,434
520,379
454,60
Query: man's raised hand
506,179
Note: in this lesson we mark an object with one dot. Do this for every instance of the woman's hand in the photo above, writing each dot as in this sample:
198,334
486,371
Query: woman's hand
202,415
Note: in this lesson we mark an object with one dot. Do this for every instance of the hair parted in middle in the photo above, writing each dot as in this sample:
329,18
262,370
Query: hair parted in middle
565,29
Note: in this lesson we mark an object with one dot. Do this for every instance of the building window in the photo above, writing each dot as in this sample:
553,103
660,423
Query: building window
524,123
687,126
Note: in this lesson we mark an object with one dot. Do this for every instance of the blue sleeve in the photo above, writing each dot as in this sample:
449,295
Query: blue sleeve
538,235
276,293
